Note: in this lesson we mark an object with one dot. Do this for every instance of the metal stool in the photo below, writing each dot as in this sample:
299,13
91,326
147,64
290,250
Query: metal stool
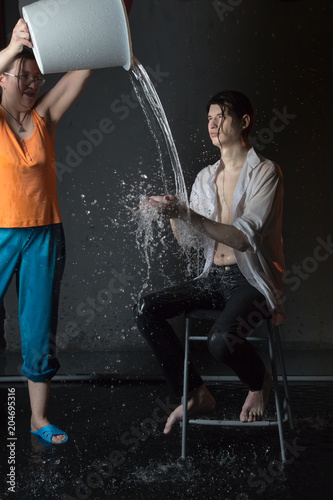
275,354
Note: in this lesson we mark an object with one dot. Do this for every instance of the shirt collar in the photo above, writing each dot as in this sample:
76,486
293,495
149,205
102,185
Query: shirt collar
212,176
252,160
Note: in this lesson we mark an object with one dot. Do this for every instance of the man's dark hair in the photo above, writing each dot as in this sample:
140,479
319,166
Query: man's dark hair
237,103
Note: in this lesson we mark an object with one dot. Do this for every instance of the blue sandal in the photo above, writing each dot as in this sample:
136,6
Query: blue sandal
48,432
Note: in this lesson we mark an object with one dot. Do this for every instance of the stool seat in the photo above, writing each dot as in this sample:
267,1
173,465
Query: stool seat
209,314
276,357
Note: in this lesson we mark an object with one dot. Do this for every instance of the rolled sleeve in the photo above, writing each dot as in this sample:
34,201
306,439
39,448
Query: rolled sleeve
261,207
254,237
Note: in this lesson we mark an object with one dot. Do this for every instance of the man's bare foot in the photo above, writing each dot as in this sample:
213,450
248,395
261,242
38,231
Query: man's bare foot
200,401
255,403
59,438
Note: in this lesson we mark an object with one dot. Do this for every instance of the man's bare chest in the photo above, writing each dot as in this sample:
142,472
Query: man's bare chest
226,186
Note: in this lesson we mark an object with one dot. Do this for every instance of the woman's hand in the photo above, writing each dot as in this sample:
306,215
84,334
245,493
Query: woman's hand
20,38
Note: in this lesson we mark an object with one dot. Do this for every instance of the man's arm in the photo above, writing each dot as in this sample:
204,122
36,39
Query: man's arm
247,230
223,233
169,207
175,229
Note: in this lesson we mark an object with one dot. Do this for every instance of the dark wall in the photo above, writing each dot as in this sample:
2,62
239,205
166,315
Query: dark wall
279,53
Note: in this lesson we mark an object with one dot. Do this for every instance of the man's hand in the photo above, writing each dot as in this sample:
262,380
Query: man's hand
277,318
168,206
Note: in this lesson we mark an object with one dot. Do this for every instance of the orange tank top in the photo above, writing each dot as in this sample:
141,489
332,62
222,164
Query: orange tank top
28,178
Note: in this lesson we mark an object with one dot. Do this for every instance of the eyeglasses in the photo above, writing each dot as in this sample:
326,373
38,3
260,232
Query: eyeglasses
27,80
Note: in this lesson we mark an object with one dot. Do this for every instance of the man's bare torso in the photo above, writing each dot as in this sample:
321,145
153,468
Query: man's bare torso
226,183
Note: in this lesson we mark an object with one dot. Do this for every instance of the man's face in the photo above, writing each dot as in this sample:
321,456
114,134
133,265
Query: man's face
224,127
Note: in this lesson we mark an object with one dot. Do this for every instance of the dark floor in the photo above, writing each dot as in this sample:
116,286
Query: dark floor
116,449
311,362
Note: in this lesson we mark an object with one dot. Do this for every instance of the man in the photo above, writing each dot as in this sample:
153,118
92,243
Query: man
236,215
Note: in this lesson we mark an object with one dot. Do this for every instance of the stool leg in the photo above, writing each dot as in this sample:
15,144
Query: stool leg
276,390
284,377
185,388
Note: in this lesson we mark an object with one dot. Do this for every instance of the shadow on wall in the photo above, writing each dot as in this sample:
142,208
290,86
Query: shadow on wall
2,26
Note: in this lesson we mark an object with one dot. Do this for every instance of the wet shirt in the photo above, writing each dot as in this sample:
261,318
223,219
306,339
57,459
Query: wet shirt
257,212
28,189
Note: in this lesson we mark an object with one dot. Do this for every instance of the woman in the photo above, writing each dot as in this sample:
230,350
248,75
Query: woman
31,235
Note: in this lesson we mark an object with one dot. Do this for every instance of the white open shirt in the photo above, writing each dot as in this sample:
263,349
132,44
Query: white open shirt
257,212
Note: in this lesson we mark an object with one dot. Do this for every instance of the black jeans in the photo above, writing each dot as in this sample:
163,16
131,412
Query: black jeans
243,307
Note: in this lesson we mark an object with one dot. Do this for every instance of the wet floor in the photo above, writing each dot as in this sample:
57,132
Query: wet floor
116,449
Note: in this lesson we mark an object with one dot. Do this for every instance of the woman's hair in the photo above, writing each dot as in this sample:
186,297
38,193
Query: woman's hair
26,53
237,103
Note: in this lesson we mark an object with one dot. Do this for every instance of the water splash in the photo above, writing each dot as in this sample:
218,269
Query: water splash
147,218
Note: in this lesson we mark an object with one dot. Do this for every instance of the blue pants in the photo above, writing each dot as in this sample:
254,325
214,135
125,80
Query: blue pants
37,256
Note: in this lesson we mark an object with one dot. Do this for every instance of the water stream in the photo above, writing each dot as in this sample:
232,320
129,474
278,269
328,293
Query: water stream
156,106
147,218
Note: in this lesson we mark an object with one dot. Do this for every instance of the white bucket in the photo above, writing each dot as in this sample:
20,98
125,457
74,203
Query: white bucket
79,34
